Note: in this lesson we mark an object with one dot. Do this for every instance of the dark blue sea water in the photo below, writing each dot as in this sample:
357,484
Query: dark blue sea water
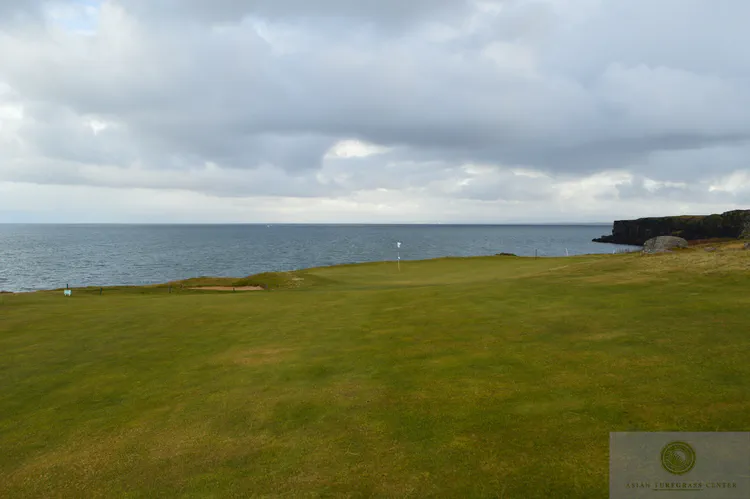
51,256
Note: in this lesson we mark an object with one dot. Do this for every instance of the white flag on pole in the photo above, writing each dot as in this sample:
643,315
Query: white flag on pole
398,244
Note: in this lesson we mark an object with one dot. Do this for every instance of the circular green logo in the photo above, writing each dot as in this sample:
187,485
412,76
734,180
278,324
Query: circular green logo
678,458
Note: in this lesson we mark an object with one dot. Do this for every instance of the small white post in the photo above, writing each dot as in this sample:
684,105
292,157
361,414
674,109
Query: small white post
566,252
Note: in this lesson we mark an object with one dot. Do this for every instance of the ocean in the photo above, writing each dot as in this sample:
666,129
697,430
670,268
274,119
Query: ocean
34,257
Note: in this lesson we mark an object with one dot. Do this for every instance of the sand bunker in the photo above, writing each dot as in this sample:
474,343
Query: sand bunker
228,288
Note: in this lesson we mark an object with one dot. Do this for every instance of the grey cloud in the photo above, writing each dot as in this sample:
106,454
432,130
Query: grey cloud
57,132
696,193
689,164
262,181
505,186
691,35
184,94
384,11
10,9
389,171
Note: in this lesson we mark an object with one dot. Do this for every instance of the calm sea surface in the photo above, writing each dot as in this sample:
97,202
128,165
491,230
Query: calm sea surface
51,256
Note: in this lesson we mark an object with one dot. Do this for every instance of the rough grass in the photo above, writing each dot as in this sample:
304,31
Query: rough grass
478,377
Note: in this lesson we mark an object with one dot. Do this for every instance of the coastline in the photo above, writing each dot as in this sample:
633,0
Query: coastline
247,281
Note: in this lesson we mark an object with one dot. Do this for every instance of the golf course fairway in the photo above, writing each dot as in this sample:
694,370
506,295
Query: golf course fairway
458,377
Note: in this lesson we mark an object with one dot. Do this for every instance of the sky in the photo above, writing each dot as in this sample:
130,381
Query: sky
346,111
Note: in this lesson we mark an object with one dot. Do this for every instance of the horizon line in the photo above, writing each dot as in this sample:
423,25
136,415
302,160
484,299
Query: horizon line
308,223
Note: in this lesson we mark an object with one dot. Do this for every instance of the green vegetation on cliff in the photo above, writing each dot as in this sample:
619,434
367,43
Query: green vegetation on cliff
480,377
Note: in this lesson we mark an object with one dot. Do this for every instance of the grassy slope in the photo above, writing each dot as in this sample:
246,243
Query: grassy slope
483,377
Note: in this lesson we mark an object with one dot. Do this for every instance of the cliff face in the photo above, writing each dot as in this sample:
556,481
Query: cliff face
732,224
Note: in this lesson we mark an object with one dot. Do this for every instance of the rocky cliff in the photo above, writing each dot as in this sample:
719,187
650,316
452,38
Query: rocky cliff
732,224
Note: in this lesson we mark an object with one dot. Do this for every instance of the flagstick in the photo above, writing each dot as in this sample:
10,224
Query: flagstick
398,254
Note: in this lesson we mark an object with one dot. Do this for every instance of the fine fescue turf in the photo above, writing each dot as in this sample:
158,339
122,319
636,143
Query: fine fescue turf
480,377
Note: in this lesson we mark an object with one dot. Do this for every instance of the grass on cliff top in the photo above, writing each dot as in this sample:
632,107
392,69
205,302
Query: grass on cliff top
479,377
